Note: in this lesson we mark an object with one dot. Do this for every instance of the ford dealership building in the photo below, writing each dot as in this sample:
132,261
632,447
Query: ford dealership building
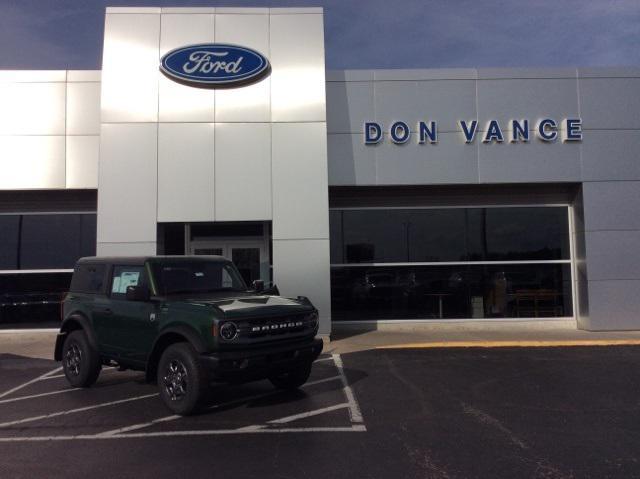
383,195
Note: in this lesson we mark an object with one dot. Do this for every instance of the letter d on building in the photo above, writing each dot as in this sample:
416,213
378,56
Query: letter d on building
372,133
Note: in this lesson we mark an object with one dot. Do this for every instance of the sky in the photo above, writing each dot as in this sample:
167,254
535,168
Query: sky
68,34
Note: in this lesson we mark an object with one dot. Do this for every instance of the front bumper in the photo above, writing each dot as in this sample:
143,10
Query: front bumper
253,364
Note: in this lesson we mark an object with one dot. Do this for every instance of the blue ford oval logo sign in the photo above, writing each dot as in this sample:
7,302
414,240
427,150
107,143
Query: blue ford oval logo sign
211,65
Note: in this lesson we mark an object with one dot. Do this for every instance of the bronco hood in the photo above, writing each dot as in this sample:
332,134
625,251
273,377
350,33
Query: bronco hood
256,305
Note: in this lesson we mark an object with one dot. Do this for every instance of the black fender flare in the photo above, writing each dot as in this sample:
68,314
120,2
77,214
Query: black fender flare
71,323
190,334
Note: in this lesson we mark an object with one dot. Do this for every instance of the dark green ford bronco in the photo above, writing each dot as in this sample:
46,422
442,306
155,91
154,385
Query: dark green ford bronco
186,321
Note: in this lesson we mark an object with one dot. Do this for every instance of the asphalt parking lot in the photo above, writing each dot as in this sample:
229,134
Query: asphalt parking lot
436,413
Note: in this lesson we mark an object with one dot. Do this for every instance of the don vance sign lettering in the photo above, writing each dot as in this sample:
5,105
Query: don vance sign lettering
514,131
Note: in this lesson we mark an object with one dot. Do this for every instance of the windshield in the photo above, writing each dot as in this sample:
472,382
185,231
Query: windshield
179,277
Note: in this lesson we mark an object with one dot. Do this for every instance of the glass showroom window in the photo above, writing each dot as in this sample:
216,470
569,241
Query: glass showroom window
499,262
37,255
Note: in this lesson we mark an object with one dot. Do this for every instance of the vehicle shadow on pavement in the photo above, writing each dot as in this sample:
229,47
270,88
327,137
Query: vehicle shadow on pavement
224,397
45,377
14,361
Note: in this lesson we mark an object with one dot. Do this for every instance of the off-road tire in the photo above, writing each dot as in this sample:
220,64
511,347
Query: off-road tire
292,379
80,362
182,381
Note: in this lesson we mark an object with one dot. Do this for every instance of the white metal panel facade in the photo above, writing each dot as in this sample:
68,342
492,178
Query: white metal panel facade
179,102
191,136
130,68
185,172
251,103
49,129
82,153
127,184
243,172
32,162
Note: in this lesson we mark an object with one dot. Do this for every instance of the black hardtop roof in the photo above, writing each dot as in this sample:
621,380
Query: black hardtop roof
125,260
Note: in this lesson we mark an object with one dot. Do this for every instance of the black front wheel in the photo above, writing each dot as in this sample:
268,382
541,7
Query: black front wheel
292,379
181,379
80,362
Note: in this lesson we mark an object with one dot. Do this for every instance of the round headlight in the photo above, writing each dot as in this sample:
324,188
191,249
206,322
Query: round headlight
229,331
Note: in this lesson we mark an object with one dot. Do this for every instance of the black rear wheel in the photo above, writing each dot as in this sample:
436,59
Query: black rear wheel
292,379
80,362
181,379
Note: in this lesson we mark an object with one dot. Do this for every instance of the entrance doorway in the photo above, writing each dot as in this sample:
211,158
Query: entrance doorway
250,256
246,243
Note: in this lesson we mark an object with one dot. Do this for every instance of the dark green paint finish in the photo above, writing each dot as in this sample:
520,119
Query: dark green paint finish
127,330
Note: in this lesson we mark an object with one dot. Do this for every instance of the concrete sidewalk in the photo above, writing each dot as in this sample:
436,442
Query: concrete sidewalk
32,344
351,338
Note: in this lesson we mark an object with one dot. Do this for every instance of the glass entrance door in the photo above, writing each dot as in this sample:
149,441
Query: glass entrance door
248,255
247,260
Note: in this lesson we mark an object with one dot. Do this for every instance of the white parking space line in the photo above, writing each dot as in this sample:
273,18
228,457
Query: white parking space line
24,385
72,411
218,406
294,417
104,370
320,381
127,432
354,409
32,396
302,415
211,432
319,360
135,427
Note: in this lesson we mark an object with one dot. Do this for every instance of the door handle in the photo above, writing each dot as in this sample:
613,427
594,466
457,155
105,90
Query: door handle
107,311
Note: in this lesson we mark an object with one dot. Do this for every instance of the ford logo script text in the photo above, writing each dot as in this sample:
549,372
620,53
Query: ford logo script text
214,65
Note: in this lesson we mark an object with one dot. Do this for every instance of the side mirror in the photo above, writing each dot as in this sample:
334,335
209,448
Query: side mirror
258,285
137,293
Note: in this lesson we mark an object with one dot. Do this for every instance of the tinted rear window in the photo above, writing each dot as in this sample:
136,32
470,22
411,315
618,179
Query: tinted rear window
88,278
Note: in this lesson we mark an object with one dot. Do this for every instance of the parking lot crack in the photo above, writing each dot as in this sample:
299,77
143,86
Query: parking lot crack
543,468
485,418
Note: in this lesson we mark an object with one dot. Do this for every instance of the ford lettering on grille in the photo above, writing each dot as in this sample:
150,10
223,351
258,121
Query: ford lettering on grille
214,65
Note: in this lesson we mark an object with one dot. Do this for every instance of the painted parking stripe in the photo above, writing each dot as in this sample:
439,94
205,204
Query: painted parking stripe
319,381
354,409
32,396
72,411
214,406
319,360
24,385
270,393
302,415
294,417
135,427
127,432
104,370
212,432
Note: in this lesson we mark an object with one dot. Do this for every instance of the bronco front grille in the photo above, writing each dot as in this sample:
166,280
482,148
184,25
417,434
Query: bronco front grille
277,326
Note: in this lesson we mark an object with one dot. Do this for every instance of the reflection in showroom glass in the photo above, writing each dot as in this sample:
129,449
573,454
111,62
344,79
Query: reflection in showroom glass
449,234
450,292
